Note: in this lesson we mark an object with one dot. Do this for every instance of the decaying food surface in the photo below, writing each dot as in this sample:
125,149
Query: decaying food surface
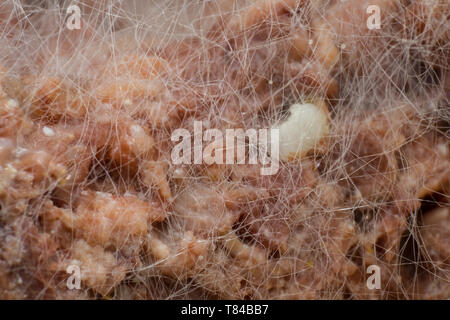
87,180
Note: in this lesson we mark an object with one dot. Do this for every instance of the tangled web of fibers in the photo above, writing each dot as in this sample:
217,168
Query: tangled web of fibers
87,181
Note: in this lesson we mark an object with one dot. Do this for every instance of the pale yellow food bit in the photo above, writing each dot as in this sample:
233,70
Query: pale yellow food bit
303,131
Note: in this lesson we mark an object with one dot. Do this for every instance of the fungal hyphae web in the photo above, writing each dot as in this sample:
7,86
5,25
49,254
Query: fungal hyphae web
95,94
